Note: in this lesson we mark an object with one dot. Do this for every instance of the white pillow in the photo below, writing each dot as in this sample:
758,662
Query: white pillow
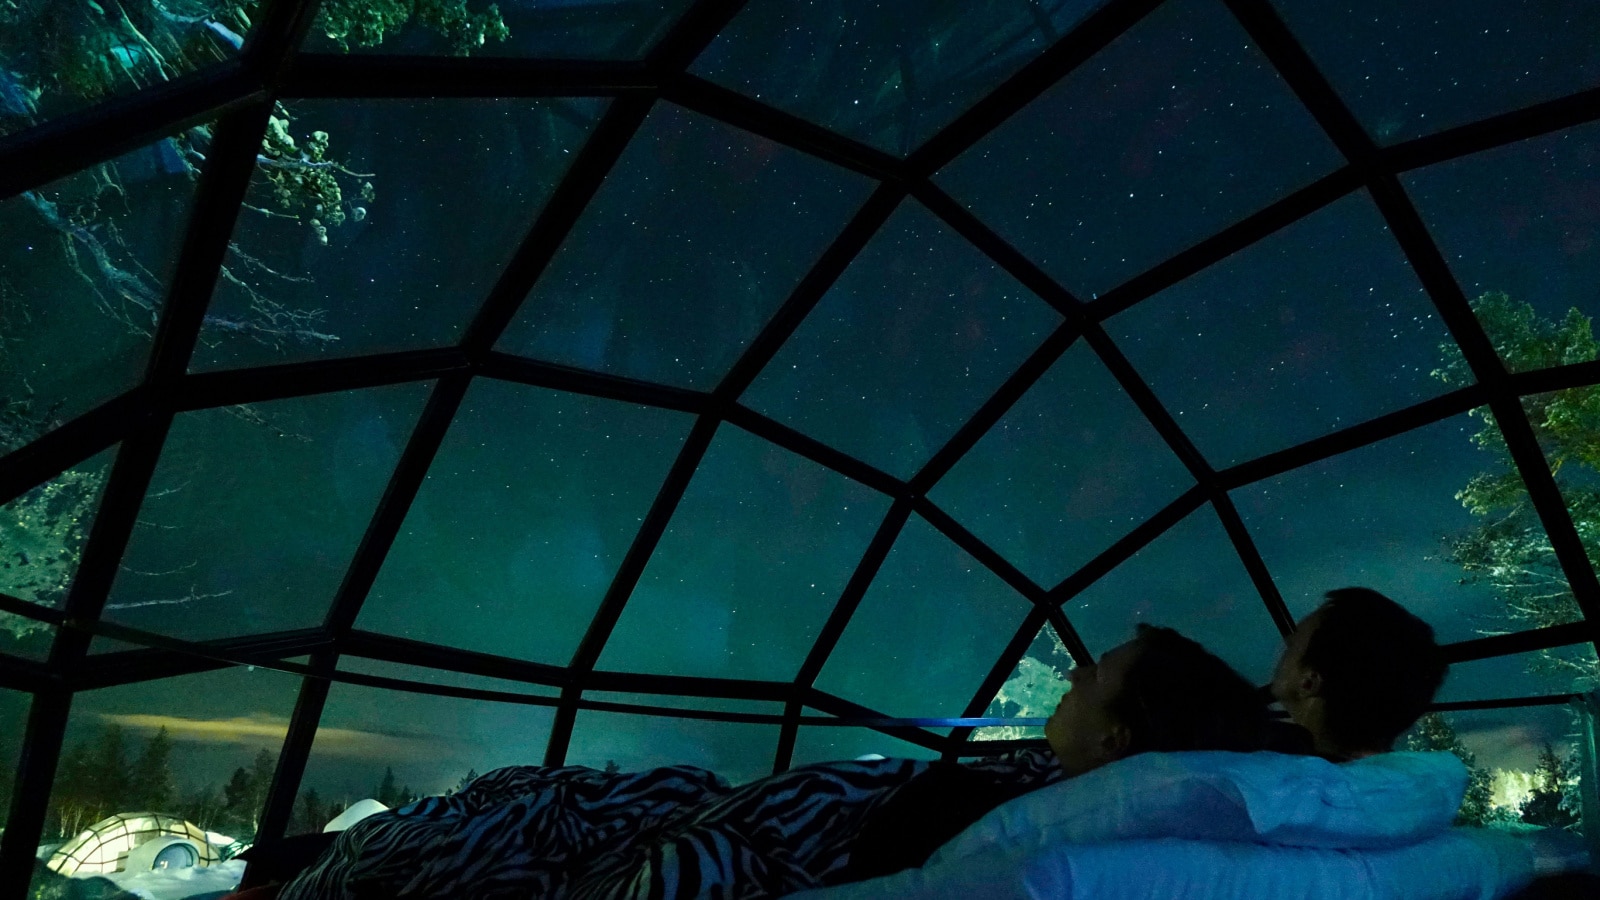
1306,801
1463,864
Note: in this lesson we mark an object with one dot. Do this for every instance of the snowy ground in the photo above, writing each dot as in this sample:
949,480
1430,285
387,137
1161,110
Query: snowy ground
182,884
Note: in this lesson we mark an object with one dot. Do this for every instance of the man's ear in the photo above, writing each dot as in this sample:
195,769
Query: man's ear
1311,683
1114,743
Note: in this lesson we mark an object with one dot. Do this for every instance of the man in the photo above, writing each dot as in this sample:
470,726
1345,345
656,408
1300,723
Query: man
1357,673
1159,692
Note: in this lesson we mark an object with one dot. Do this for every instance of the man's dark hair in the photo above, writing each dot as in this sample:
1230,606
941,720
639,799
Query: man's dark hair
1379,664
1177,696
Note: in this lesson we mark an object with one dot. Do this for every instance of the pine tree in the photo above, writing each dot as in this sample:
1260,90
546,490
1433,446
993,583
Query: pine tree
261,772
1549,783
110,775
313,813
387,793
1434,732
611,767
151,785
466,779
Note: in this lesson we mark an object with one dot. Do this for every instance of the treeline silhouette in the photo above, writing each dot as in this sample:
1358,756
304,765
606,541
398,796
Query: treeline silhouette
108,772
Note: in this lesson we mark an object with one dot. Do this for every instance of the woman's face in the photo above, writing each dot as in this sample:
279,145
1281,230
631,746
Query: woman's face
1082,731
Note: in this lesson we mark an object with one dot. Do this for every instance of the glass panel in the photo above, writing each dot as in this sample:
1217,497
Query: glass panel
42,533
199,749
1522,763
1560,670
429,675
397,746
254,512
1072,467
1408,69
889,74
750,567
1177,129
697,236
1320,326
906,345
367,254
1032,691
525,515
1190,579
1385,517
57,58
737,751
84,271
551,29
1521,225
13,725
829,743
927,632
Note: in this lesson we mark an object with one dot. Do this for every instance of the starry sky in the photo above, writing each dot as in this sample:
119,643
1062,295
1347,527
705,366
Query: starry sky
1177,129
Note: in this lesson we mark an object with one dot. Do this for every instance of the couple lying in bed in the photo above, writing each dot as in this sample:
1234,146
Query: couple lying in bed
1355,675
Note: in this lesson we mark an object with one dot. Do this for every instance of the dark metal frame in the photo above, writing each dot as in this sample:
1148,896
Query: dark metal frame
241,93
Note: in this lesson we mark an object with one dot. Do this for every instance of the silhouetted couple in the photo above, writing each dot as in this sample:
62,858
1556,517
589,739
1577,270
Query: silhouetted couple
1353,677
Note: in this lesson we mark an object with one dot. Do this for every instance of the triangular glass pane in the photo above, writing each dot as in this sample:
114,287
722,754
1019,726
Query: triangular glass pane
750,567
1032,691
927,632
201,748
539,29
1409,69
366,252
1190,579
1071,468
906,345
42,533
1290,337
84,273
255,511
831,743
528,509
888,74
1560,670
738,751
1176,130
397,746
1521,221
1388,517
58,58
696,238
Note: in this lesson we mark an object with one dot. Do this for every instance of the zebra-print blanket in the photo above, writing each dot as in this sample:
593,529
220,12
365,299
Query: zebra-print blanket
663,834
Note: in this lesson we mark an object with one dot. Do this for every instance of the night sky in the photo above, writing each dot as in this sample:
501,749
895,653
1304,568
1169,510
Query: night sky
1179,128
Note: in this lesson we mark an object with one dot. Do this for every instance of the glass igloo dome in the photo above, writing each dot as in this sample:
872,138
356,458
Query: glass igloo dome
390,392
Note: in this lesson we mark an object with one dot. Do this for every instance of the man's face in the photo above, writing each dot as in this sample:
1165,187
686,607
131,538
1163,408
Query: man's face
1289,679
1082,731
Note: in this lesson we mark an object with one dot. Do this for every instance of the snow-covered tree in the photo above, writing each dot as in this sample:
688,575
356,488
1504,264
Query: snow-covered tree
1508,550
1434,732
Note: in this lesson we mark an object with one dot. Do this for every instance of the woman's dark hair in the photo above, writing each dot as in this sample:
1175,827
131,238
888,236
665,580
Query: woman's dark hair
1379,665
1177,696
